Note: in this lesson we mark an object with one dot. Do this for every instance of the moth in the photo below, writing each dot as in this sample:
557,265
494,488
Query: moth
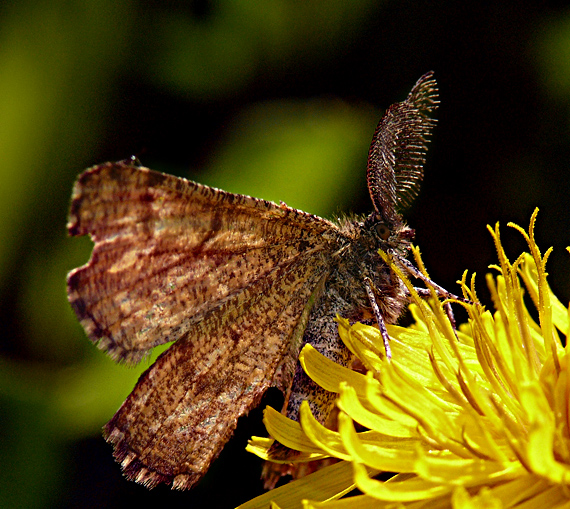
238,285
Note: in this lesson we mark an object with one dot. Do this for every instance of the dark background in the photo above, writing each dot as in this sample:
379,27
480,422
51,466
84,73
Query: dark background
274,99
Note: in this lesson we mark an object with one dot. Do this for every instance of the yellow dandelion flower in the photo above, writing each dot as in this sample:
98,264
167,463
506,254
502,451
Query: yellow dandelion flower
477,417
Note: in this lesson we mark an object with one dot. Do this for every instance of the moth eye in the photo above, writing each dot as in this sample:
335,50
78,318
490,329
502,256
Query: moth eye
383,231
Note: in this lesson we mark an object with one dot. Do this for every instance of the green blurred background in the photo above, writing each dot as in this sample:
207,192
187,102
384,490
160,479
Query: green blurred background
274,99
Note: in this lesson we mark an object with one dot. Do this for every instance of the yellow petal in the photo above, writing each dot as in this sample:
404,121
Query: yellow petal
325,484
320,436
456,471
394,456
349,403
405,491
356,502
363,341
328,374
288,432
483,500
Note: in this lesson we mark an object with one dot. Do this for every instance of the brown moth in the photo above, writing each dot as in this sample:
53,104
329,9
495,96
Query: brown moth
239,285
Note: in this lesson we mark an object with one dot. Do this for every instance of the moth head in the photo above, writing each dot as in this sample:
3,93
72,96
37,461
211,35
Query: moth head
389,233
396,158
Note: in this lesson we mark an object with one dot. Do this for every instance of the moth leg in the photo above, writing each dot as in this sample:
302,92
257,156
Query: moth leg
450,316
425,293
439,290
378,315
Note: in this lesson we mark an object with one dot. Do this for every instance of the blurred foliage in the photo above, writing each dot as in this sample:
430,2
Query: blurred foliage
299,152
226,45
273,99
553,57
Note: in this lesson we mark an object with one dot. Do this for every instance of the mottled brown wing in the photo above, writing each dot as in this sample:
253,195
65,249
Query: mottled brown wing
185,407
232,279
169,251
